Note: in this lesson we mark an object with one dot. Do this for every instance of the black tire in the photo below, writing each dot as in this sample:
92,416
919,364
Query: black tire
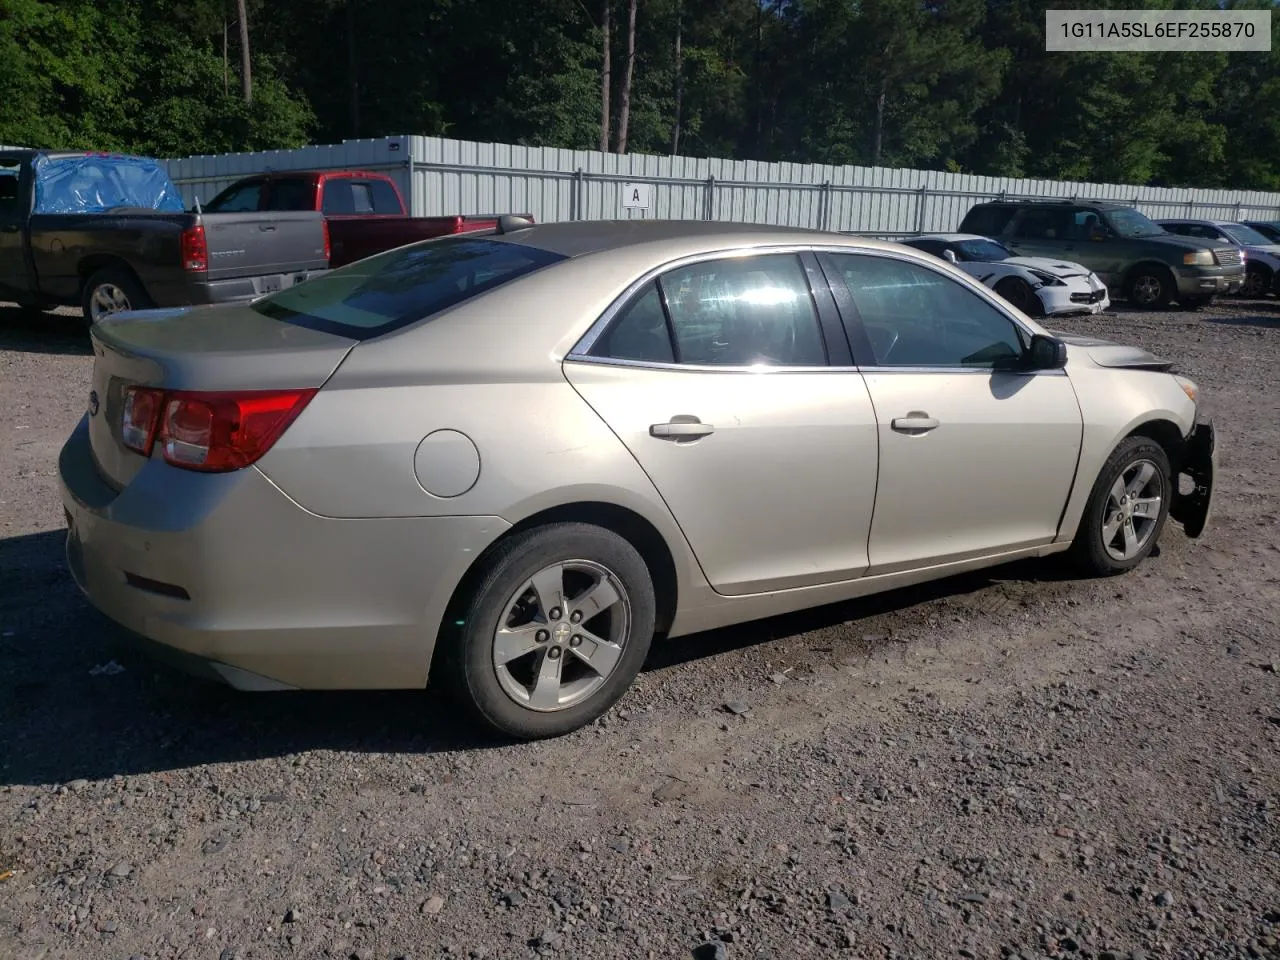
1258,280
466,664
109,279
1089,549
1019,293
1150,287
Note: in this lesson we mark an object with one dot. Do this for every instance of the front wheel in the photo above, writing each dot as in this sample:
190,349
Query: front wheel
1257,282
1127,509
1151,287
1019,293
556,630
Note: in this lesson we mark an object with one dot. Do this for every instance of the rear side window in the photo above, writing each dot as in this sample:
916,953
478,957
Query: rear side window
394,289
385,198
337,197
986,221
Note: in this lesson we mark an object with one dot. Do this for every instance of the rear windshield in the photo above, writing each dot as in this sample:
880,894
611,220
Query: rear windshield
394,289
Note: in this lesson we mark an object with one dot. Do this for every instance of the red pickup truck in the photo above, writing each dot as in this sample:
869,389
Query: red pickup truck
363,212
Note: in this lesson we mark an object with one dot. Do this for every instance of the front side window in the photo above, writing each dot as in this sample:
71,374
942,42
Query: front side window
241,199
732,312
1245,236
394,289
1127,222
917,317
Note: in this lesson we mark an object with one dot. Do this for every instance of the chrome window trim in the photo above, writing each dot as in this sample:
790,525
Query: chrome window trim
771,369
580,351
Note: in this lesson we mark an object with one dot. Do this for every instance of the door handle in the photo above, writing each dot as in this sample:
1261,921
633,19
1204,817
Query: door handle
681,428
917,421
266,227
9,227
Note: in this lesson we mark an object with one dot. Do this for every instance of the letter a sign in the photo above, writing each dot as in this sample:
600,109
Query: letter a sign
636,196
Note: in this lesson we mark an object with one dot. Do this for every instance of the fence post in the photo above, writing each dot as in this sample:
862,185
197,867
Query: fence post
920,203
824,205
1238,205
575,200
709,201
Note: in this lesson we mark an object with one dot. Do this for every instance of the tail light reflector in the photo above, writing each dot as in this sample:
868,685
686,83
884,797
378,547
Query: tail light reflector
140,418
327,247
211,432
195,249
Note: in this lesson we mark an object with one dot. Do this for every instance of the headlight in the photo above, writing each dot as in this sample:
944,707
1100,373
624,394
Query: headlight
1048,279
1189,388
1198,258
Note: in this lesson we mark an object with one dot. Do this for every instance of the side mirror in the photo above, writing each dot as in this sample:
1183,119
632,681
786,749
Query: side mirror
949,255
1046,353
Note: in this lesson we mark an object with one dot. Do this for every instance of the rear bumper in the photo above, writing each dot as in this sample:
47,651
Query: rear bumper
235,290
229,573
1200,463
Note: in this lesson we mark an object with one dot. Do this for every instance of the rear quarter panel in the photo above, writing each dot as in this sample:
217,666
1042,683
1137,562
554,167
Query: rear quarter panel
490,369
65,246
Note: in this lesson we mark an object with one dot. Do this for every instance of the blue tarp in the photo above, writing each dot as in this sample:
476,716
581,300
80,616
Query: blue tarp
97,182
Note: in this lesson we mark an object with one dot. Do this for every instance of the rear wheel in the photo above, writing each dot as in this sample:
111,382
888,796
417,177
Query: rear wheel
1150,287
1020,293
1127,509
555,632
112,290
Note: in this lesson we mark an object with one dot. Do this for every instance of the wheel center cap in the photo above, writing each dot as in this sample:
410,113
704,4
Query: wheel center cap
560,633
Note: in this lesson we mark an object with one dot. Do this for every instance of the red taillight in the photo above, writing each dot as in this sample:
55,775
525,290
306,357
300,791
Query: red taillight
141,416
213,432
327,248
195,249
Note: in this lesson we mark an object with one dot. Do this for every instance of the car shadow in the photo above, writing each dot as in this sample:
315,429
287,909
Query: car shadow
30,331
78,700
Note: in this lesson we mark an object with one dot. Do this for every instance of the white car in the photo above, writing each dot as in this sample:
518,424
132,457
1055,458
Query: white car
1038,286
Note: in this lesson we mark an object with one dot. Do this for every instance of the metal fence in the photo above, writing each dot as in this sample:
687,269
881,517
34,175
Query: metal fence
441,176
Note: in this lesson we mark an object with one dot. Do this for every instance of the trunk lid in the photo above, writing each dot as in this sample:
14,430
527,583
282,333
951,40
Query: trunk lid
253,244
229,347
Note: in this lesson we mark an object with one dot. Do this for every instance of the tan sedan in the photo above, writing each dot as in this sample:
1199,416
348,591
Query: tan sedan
506,461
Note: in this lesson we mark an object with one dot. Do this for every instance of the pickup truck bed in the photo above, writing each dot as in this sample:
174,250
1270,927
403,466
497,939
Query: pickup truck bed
127,247
363,211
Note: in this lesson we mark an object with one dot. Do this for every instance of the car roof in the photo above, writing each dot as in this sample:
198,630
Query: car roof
677,237
1056,201
948,237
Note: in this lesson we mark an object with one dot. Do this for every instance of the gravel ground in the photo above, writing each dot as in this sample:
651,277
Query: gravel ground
1006,764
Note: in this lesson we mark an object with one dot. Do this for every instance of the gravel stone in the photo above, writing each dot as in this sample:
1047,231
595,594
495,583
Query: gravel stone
1013,763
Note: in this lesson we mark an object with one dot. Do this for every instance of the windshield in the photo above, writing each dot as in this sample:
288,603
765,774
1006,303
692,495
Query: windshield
1131,223
980,250
390,290
1245,235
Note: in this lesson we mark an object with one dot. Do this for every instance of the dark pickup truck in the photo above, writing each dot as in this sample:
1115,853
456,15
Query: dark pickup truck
364,211
110,233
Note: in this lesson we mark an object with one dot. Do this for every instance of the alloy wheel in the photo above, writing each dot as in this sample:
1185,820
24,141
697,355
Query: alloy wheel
1132,510
561,635
107,299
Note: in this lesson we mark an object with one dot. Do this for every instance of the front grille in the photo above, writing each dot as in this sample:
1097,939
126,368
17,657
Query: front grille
1094,296
1227,256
